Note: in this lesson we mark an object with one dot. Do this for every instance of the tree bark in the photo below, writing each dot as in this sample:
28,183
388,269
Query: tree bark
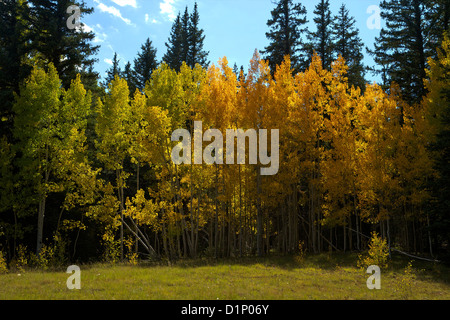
40,230
258,214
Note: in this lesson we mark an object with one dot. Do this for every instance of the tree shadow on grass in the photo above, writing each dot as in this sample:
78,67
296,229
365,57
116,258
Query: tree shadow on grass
288,262
324,261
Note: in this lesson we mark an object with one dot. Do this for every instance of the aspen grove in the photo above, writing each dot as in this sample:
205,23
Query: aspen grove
350,162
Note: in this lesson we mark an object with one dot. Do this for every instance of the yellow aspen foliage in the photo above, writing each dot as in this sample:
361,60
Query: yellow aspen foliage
346,158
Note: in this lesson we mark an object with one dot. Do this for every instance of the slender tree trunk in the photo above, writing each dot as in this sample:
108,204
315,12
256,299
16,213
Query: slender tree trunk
192,247
240,213
184,235
296,226
76,239
41,212
267,233
197,224
40,230
164,236
350,235
157,245
429,235
258,214
216,215
345,237
388,236
120,194
358,236
289,224
179,230
331,240
15,234
136,246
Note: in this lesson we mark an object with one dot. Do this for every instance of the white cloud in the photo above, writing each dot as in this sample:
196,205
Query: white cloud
124,3
168,8
113,11
108,61
86,28
148,20
99,36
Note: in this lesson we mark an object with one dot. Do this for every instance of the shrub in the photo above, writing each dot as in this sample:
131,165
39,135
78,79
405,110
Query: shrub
45,258
405,285
301,253
3,265
131,256
112,247
377,255
59,250
21,260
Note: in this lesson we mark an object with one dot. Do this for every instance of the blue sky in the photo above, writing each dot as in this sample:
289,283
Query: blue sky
233,28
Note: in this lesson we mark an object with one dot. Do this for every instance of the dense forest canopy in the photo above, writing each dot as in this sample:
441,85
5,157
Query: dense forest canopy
86,168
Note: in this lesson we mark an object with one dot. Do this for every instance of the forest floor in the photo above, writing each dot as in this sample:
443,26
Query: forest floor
323,276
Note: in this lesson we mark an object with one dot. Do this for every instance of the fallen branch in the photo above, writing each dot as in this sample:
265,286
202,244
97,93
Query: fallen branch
413,256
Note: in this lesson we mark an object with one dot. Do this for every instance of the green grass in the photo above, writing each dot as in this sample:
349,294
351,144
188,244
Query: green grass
318,277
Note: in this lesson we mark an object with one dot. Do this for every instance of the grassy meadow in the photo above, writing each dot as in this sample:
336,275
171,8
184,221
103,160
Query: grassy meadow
321,277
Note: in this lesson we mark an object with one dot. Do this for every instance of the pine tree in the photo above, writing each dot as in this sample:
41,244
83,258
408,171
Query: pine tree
348,44
196,39
185,36
130,77
14,54
320,41
286,28
113,71
186,42
90,80
69,50
144,64
173,56
403,46
439,18
7,195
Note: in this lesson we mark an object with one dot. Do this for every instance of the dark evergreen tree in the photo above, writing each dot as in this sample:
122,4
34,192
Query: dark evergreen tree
412,32
173,56
185,36
144,65
130,76
196,39
186,42
321,41
348,44
438,16
14,54
70,50
113,71
285,35
90,80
